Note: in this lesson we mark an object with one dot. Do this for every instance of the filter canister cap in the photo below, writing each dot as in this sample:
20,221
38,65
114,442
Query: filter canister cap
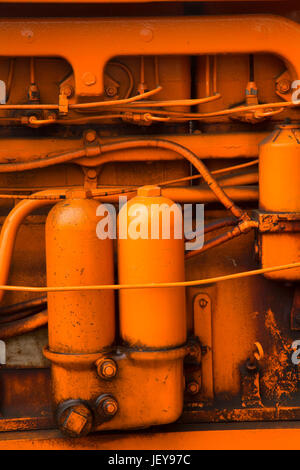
149,191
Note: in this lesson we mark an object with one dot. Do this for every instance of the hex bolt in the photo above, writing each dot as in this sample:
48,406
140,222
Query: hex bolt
193,388
110,407
106,368
74,418
89,79
107,406
90,136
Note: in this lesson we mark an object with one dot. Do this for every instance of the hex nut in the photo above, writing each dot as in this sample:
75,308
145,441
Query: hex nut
106,368
107,406
193,388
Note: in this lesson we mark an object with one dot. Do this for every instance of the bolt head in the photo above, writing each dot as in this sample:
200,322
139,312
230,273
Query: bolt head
106,368
89,79
75,420
110,407
193,388
107,406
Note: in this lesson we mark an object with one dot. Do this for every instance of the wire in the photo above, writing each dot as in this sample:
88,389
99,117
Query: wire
186,102
198,282
21,307
214,172
82,120
115,102
96,193
96,104
238,109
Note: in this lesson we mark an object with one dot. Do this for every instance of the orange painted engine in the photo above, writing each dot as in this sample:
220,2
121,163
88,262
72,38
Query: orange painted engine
150,212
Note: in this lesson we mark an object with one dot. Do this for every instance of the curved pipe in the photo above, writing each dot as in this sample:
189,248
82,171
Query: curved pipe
242,145
90,151
188,155
19,327
27,305
235,232
18,316
140,143
11,226
219,240
170,103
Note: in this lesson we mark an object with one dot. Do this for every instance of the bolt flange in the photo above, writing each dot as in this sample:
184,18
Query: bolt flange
74,418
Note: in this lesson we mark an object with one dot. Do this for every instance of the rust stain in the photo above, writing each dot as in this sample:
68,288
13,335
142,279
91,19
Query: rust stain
279,375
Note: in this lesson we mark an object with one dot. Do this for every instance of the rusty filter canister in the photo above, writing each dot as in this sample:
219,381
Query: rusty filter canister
151,318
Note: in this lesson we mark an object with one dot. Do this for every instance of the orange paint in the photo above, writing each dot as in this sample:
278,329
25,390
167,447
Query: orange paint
169,103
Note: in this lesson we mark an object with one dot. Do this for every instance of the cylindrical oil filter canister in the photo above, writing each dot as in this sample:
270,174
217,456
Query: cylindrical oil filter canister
151,250
279,193
80,322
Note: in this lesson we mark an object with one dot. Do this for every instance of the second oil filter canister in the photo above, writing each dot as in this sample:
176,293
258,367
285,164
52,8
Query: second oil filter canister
151,318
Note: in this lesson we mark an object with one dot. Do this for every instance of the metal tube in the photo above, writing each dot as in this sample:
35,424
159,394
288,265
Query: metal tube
10,229
206,146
